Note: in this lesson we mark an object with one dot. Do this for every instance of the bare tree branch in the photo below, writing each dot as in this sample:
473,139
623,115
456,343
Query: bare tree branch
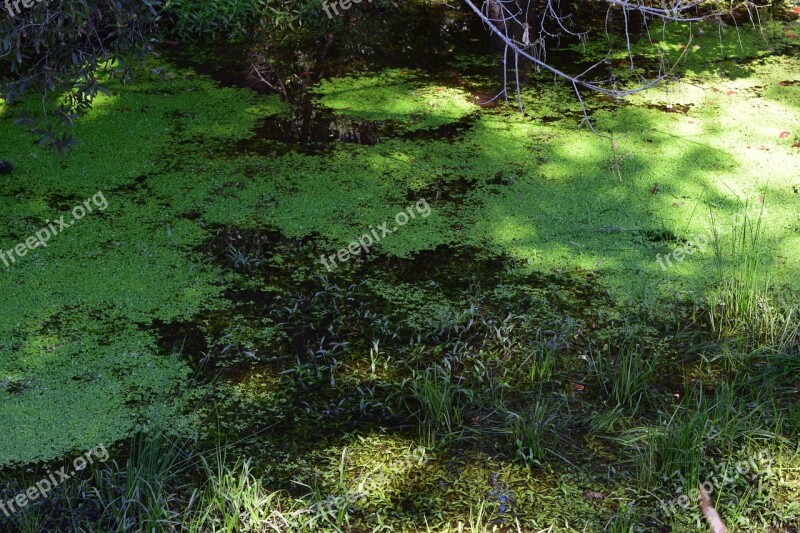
510,22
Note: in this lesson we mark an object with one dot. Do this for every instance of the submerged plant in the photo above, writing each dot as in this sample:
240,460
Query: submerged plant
242,260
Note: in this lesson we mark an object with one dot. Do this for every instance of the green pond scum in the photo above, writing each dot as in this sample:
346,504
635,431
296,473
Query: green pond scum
519,359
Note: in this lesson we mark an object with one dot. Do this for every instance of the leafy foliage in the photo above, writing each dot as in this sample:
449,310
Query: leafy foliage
233,19
60,47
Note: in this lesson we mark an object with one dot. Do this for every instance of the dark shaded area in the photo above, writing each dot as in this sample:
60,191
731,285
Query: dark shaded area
314,130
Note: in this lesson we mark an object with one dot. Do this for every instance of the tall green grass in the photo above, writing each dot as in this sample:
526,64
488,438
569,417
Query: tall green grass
233,499
439,403
625,376
164,485
533,431
703,425
742,306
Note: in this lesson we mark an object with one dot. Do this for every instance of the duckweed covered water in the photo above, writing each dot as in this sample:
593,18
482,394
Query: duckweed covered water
540,252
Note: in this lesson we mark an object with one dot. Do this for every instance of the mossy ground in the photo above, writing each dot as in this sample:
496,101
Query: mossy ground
538,258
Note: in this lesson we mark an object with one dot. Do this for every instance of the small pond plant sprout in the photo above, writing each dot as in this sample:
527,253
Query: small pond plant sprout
617,159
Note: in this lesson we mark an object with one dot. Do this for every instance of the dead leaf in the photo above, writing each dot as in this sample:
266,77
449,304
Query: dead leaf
730,93
577,387
763,147
677,204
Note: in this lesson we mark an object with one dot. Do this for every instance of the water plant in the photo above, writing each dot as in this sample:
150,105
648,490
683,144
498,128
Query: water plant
742,305
533,431
624,377
439,403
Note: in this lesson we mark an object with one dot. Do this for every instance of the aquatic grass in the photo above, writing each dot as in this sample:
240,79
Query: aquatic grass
623,521
742,307
541,361
790,419
338,504
165,485
439,403
774,368
675,449
675,446
631,377
477,521
142,493
700,426
604,421
534,431
777,365
139,493
233,500
626,377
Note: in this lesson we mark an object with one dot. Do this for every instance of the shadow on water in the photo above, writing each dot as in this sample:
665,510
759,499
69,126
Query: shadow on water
326,323
427,40
321,307
449,45
313,130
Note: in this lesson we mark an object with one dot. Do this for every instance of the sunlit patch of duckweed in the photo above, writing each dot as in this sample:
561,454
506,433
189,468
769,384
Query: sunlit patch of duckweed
403,96
80,392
